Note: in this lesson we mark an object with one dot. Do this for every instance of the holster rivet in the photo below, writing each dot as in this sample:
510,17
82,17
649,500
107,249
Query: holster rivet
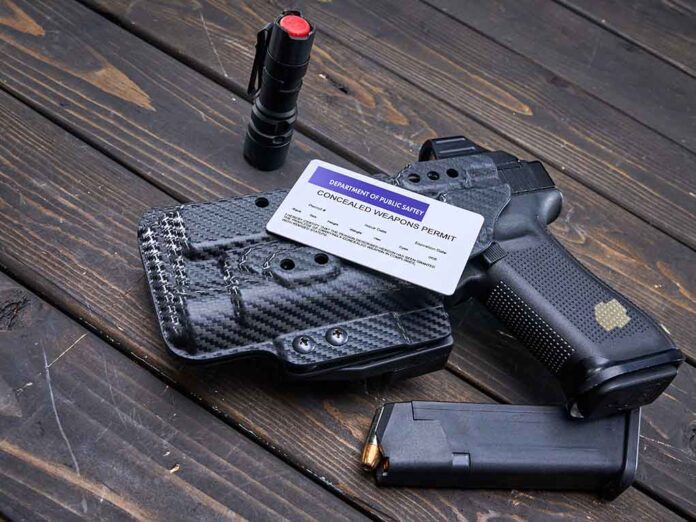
337,336
303,344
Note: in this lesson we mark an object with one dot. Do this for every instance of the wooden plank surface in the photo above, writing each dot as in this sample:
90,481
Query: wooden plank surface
584,137
86,433
668,451
592,228
587,55
666,28
588,139
644,264
61,197
152,113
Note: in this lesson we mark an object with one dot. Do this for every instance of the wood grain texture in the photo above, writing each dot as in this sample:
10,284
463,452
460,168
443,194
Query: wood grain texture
531,106
587,55
639,261
58,198
667,464
666,28
86,433
150,112
380,118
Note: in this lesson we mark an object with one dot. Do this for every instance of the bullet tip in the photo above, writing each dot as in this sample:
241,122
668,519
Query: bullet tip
371,455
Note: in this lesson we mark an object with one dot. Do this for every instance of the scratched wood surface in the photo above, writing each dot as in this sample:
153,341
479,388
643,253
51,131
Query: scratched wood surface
667,28
584,229
87,433
608,66
539,110
533,107
154,114
95,274
365,118
586,215
146,110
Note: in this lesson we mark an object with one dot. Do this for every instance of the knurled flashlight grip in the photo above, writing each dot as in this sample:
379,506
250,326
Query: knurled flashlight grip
282,55
607,354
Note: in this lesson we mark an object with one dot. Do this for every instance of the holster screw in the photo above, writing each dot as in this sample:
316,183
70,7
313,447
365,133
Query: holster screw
303,344
337,336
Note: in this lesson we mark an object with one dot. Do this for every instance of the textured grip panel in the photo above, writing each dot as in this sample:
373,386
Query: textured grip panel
576,293
535,333
560,311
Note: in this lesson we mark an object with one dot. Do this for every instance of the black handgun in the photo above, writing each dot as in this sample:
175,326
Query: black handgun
223,287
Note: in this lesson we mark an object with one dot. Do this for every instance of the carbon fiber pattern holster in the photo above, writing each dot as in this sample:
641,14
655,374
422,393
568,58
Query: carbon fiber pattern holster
223,287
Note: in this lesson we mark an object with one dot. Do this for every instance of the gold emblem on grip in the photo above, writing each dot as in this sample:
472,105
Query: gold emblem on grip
611,314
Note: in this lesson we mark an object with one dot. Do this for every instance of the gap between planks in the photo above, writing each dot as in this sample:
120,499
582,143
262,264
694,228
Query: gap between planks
216,412
618,32
225,81
131,170
575,85
153,370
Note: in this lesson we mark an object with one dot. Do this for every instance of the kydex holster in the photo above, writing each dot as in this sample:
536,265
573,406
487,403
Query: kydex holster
224,288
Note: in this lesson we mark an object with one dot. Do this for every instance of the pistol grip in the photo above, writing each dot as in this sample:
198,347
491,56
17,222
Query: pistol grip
607,353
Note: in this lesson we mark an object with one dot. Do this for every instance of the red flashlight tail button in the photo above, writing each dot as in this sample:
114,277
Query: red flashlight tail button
295,26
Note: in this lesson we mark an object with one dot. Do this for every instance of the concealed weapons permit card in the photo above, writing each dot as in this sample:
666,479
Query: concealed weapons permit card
389,229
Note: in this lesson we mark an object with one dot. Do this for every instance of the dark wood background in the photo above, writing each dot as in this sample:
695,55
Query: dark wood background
110,107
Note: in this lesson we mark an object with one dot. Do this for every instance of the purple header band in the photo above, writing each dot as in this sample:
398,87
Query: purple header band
368,193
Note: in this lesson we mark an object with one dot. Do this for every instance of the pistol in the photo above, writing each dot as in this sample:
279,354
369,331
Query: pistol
223,288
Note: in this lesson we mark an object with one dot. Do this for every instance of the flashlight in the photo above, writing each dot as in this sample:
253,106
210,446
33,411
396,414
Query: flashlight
282,56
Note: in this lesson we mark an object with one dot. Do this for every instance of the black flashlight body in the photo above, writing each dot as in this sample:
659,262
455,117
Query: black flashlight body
282,56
